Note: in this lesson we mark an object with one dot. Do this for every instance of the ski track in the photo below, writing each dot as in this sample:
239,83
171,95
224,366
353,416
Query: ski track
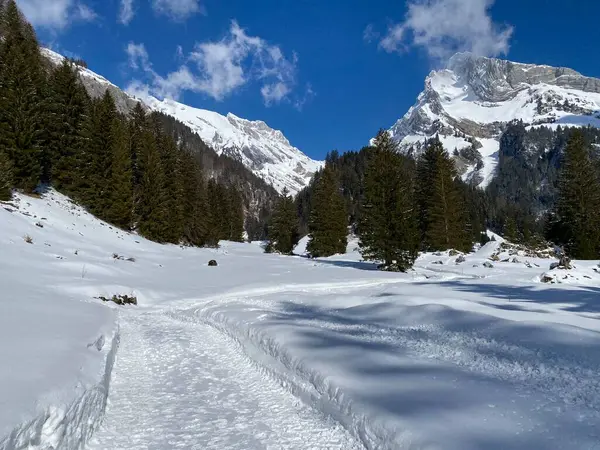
179,384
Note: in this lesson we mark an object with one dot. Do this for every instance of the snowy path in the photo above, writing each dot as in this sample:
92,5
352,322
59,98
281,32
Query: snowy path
185,385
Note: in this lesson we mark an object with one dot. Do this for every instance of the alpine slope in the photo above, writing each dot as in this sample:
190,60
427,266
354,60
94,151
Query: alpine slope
487,350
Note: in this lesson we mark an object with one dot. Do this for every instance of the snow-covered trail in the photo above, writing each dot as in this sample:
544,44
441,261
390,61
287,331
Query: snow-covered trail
179,384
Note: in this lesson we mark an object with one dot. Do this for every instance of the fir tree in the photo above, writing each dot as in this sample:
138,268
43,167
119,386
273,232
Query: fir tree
215,223
443,215
388,228
196,214
23,111
6,177
283,226
172,187
328,223
578,207
69,104
152,212
96,157
120,208
235,219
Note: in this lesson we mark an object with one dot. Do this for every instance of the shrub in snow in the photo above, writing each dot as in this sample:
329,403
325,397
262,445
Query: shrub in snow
212,263
460,259
452,252
120,299
28,239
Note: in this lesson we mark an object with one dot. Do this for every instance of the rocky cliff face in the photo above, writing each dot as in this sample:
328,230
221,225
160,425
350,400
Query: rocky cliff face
469,104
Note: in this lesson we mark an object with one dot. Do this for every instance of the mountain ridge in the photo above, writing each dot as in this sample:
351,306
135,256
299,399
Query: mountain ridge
470,102
264,151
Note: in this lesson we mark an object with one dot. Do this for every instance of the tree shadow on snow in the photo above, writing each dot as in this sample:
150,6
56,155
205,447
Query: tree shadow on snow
581,299
360,265
405,369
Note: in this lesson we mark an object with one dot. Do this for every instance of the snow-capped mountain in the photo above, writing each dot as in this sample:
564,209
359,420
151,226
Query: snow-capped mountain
469,103
264,151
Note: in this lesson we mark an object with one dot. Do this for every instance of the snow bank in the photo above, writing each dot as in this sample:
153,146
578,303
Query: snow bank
58,350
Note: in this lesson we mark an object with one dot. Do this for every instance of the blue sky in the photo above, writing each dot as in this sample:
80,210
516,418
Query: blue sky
329,73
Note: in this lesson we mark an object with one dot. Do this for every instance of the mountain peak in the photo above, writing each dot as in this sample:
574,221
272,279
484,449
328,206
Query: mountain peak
262,149
470,102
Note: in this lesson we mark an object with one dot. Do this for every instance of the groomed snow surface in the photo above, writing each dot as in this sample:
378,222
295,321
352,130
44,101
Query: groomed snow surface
276,352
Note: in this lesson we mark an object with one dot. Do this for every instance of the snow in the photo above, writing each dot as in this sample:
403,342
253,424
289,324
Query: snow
287,352
265,151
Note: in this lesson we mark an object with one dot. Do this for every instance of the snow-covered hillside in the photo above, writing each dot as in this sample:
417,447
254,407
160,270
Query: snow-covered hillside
470,102
269,351
263,150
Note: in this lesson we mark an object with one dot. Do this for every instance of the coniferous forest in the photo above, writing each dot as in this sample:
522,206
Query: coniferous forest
128,170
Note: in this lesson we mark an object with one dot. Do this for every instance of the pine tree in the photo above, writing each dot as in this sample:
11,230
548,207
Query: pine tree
443,215
235,219
69,104
6,177
215,215
96,157
283,226
23,113
328,223
152,212
120,208
388,227
578,207
510,229
196,214
172,188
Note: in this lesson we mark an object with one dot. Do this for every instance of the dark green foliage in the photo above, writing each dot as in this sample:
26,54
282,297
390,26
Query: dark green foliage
328,224
69,105
443,216
23,105
172,184
388,227
578,207
6,177
235,216
151,208
120,208
283,227
140,172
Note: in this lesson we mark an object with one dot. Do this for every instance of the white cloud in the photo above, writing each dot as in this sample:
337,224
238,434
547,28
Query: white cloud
274,92
138,56
178,10
56,14
126,12
444,27
220,68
